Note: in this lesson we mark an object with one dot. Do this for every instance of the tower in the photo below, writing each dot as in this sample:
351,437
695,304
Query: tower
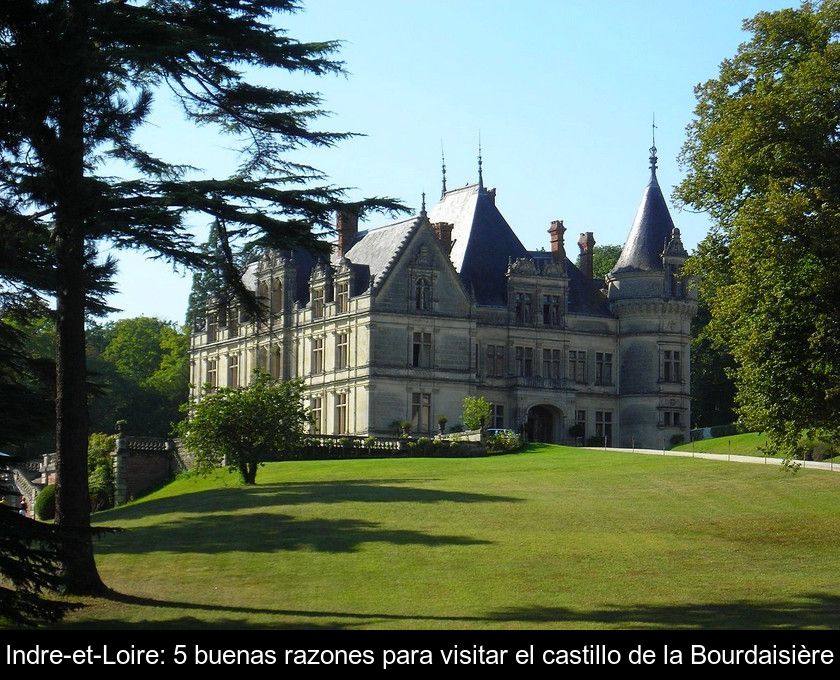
647,292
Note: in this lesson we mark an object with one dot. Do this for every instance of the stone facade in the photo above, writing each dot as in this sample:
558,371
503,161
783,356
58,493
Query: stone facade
407,319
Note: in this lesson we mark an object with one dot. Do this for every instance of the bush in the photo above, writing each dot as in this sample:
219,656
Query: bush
723,430
101,488
595,441
457,427
577,430
504,441
677,439
45,503
370,442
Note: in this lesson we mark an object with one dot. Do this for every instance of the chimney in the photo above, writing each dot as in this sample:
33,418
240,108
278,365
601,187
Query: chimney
347,226
558,250
586,242
443,233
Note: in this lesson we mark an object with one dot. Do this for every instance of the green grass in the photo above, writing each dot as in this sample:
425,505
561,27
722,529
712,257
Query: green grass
738,444
554,537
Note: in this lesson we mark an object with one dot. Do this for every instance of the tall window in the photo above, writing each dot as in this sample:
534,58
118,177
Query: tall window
577,366
421,411
524,361
341,413
342,298
317,355
551,310
603,426
551,364
276,363
423,294
497,418
233,370
671,366
523,308
212,327
213,373
341,346
421,350
603,368
233,322
316,415
318,303
276,297
495,361
580,421
672,419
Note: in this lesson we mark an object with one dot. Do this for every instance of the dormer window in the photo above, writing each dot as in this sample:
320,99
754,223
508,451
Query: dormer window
524,308
212,327
551,310
423,294
342,298
318,303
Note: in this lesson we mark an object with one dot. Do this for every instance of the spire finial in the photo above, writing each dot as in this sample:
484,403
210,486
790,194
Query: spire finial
480,175
423,206
442,170
653,158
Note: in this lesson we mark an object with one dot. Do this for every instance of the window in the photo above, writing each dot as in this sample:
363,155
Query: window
276,297
421,350
315,415
317,355
341,413
580,422
495,361
276,363
603,368
524,361
212,327
421,409
671,366
233,323
423,294
342,298
497,418
262,359
672,418
603,426
551,310
233,370
318,303
523,308
213,373
341,346
551,364
577,366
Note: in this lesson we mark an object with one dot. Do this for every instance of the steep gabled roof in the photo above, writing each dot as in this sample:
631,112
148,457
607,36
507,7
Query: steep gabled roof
377,249
650,232
483,242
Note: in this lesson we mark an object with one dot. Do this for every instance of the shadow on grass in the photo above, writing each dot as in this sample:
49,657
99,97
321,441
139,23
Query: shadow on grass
297,493
265,533
809,610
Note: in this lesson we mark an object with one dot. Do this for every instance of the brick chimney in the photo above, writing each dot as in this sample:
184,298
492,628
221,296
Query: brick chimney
443,233
347,226
558,250
586,242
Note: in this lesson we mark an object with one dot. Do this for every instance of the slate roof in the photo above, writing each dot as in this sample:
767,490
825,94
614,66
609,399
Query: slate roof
377,248
650,232
484,243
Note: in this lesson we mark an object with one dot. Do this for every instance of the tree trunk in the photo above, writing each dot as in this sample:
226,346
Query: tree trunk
72,503
249,472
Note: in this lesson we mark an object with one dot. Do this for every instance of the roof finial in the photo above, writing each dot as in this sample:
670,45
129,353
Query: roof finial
653,158
480,175
442,170
423,206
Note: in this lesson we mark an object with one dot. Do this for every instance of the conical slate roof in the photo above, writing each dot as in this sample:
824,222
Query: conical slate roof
650,232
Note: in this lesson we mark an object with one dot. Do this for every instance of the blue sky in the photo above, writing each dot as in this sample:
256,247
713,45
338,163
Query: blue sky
562,93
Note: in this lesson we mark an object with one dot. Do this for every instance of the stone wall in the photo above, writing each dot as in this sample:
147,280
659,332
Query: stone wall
142,464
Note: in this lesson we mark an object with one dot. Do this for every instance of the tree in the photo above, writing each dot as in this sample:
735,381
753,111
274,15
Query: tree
244,426
77,80
209,282
603,259
477,412
763,159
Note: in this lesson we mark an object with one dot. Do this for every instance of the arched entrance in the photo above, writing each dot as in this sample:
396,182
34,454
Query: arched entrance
540,424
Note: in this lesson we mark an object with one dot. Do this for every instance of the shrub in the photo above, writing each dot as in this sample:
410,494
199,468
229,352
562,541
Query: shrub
595,441
45,503
370,442
504,441
723,430
477,412
457,427
677,439
577,430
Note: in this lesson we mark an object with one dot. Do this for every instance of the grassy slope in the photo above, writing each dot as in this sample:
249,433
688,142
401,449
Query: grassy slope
738,444
553,537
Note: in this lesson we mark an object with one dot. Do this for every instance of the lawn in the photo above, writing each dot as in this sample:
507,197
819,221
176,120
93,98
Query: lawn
555,537
746,444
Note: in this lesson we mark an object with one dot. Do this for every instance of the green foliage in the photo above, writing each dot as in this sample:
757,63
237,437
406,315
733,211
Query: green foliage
603,259
45,503
476,412
101,470
504,441
762,158
245,426
712,389
577,430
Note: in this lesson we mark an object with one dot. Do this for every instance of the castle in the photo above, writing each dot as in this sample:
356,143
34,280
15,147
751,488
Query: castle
406,319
